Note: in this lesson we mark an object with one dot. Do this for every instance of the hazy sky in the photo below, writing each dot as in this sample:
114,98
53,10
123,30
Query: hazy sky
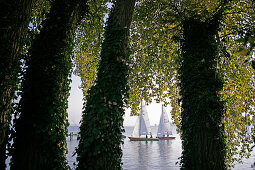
75,107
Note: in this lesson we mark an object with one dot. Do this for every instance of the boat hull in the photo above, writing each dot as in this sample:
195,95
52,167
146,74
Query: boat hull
143,139
166,138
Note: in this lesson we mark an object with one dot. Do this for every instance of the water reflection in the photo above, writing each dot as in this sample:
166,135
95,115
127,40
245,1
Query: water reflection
143,153
147,155
158,155
165,152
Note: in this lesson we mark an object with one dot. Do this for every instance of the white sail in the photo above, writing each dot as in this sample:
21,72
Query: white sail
142,125
145,116
160,127
136,128
164,128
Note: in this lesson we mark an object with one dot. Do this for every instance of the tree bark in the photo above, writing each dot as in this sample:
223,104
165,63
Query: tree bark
14,16
202,110
40,141
102,120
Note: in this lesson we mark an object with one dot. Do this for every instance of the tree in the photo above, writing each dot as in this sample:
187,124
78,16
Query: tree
40,139
202,110
102,120
157,39
161,22
13,27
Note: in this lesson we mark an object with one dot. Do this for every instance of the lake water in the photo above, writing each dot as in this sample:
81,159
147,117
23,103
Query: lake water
149,155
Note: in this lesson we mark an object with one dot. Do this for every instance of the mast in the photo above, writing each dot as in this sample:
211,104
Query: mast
140,119
163,123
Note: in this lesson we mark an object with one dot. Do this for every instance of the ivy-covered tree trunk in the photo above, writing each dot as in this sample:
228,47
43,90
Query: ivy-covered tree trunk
102,120
202,110
14,17
40,141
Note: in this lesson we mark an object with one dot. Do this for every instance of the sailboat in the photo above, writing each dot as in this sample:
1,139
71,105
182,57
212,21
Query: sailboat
164,129
142,129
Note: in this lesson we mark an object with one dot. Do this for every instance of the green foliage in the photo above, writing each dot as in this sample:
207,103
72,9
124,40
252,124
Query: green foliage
176,107
156,36
88,40
154,54
235,66
238,18
102,119
40,10
153,63
237,93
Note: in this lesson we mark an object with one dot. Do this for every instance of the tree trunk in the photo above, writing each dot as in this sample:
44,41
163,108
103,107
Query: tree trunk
102,120
41,130
202,110
14,16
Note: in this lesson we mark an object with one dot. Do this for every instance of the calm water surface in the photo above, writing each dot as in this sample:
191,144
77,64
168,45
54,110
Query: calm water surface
149,155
